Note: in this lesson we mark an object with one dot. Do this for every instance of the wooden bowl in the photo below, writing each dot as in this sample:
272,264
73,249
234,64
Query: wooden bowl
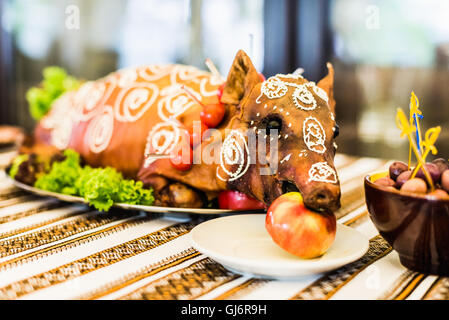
416,226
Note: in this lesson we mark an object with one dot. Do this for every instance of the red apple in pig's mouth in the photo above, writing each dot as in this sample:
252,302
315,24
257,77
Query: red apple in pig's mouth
299,230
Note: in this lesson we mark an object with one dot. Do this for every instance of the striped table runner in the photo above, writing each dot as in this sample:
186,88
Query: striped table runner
55,250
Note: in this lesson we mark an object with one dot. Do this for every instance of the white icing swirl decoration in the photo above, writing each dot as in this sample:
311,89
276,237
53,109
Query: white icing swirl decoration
62,133
303,98
88,96
60,121
100,130
162,139
59,111
234,151
132,102
314,135
186,73
175,102
213,81
273,88
126,77
322,172
155,72
321,93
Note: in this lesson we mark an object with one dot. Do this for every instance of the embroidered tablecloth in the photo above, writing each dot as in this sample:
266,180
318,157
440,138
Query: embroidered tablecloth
55,250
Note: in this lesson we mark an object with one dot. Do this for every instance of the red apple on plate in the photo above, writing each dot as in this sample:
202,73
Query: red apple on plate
235,200
299,230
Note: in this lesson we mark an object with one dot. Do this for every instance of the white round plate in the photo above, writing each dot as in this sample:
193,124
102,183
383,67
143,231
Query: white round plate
174,210
242,244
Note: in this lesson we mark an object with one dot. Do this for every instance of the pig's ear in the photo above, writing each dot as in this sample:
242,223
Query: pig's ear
327,84
241,79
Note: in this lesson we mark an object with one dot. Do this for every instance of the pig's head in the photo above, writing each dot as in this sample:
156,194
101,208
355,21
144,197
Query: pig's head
303,113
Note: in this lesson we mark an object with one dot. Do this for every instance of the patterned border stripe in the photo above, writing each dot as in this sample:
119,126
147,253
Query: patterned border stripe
439,290
12,193
72,243
403,281
350,202
17,231
354,198
348,161
242,289
357,220
17,200
94,262
60,231
188,283
253,283
143,273
412,285
30,212
326,286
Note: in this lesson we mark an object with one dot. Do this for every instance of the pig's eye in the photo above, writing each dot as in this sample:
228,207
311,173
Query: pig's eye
274,123
336,131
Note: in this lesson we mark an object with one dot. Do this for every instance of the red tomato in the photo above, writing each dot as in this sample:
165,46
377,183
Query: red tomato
235,200
262,77
181,161
220,90
212,114
196,139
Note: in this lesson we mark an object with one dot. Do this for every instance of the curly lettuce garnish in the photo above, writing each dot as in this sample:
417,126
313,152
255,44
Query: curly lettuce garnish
16,164
100,187
62,175
56,82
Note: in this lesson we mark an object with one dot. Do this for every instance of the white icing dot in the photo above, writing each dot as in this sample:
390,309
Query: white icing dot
287,157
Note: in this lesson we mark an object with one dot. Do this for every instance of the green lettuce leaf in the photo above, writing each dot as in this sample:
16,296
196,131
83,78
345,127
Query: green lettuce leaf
100,187
16,164
56,82
62,175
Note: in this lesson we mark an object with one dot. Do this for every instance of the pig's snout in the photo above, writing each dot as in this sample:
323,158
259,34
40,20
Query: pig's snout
323,197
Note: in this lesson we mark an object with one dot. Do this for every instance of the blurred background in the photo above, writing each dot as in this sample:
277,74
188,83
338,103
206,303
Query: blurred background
381,51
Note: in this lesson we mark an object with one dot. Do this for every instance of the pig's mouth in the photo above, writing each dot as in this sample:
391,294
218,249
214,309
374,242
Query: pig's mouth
288,186
321,199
